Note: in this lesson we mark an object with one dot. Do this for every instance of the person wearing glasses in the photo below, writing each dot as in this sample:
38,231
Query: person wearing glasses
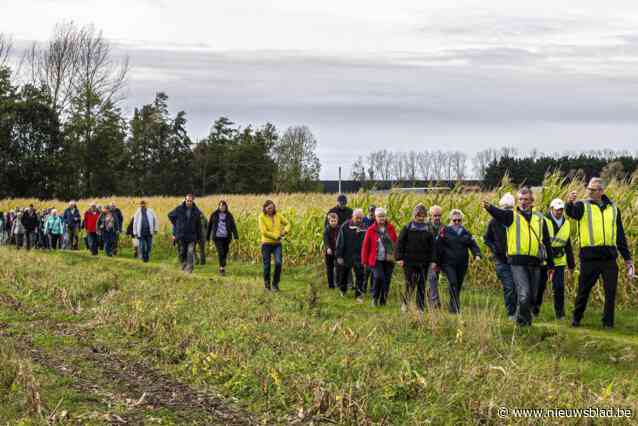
528,246
602,237
453,245
145,225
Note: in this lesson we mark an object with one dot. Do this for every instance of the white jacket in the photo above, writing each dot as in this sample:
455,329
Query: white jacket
152,222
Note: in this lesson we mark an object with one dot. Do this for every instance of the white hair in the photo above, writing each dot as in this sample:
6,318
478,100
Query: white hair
54,211
598,181
380,211
435,207
356,212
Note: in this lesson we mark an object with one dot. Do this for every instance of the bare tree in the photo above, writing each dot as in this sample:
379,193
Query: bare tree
6,47
425,164
412,165
439,164
458,164
77,60
483,159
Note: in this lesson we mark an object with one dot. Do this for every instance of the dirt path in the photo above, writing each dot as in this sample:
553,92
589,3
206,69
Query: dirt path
134,389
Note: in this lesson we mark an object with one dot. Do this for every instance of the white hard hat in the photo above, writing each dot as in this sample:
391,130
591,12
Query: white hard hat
507,201
557,204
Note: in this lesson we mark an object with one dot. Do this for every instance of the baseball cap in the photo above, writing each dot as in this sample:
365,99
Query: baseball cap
557,204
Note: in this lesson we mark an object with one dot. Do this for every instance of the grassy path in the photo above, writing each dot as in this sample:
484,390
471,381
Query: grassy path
115,341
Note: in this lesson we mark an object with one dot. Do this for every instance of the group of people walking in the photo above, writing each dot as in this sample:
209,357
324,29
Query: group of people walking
424,248
529,247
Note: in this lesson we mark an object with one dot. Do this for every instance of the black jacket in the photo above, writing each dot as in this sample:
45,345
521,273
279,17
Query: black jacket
452,248
213,223
496,240
120,219
330,236
186,229
344,214
576,211
415,246
30,222
506,218
569,251
349,242
129,228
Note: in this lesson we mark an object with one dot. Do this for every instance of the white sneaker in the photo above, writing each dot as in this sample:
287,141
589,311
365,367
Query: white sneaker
359,300
404,308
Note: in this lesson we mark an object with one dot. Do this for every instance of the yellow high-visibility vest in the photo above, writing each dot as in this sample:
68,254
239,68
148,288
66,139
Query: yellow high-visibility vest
597,227
559,240
523,237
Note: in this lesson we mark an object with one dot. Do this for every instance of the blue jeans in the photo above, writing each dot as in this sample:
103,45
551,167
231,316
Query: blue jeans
267,252
526,279
109,239
145,246
504,274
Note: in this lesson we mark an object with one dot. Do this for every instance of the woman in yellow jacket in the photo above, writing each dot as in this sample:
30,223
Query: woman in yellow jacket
273,228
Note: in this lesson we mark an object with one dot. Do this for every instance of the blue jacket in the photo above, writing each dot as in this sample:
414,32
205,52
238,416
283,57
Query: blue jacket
184,228
72,217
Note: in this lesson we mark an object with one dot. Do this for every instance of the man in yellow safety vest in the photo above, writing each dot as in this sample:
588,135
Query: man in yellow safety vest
602,236
559,229
528,245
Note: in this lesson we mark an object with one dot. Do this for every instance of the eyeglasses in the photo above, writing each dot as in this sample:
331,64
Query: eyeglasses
457,220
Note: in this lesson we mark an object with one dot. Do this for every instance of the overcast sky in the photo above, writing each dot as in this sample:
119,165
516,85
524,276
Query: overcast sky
364,75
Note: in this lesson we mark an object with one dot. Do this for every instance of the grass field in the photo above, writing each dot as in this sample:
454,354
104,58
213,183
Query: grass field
113,341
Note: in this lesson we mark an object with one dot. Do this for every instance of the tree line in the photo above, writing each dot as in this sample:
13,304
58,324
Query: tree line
63,133
490,166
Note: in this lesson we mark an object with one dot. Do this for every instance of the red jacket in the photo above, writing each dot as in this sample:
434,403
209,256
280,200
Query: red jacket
90,220
369,247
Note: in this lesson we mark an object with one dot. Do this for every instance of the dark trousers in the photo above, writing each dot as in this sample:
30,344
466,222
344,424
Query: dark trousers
30,239
54,240
455,275
19,240
200,249
222,245
590,271
73,242
109,239
382,275
116,243
269,251
504,274
526,279
330,269
92,242
558,288
415,280
360,278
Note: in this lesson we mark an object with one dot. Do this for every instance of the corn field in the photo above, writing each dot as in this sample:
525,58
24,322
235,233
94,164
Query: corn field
306,212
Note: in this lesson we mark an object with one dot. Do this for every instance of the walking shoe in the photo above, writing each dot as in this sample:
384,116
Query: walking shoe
575,323
343,293
373,303
512,317
222,271
359,300
275,288
608,326
404,308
